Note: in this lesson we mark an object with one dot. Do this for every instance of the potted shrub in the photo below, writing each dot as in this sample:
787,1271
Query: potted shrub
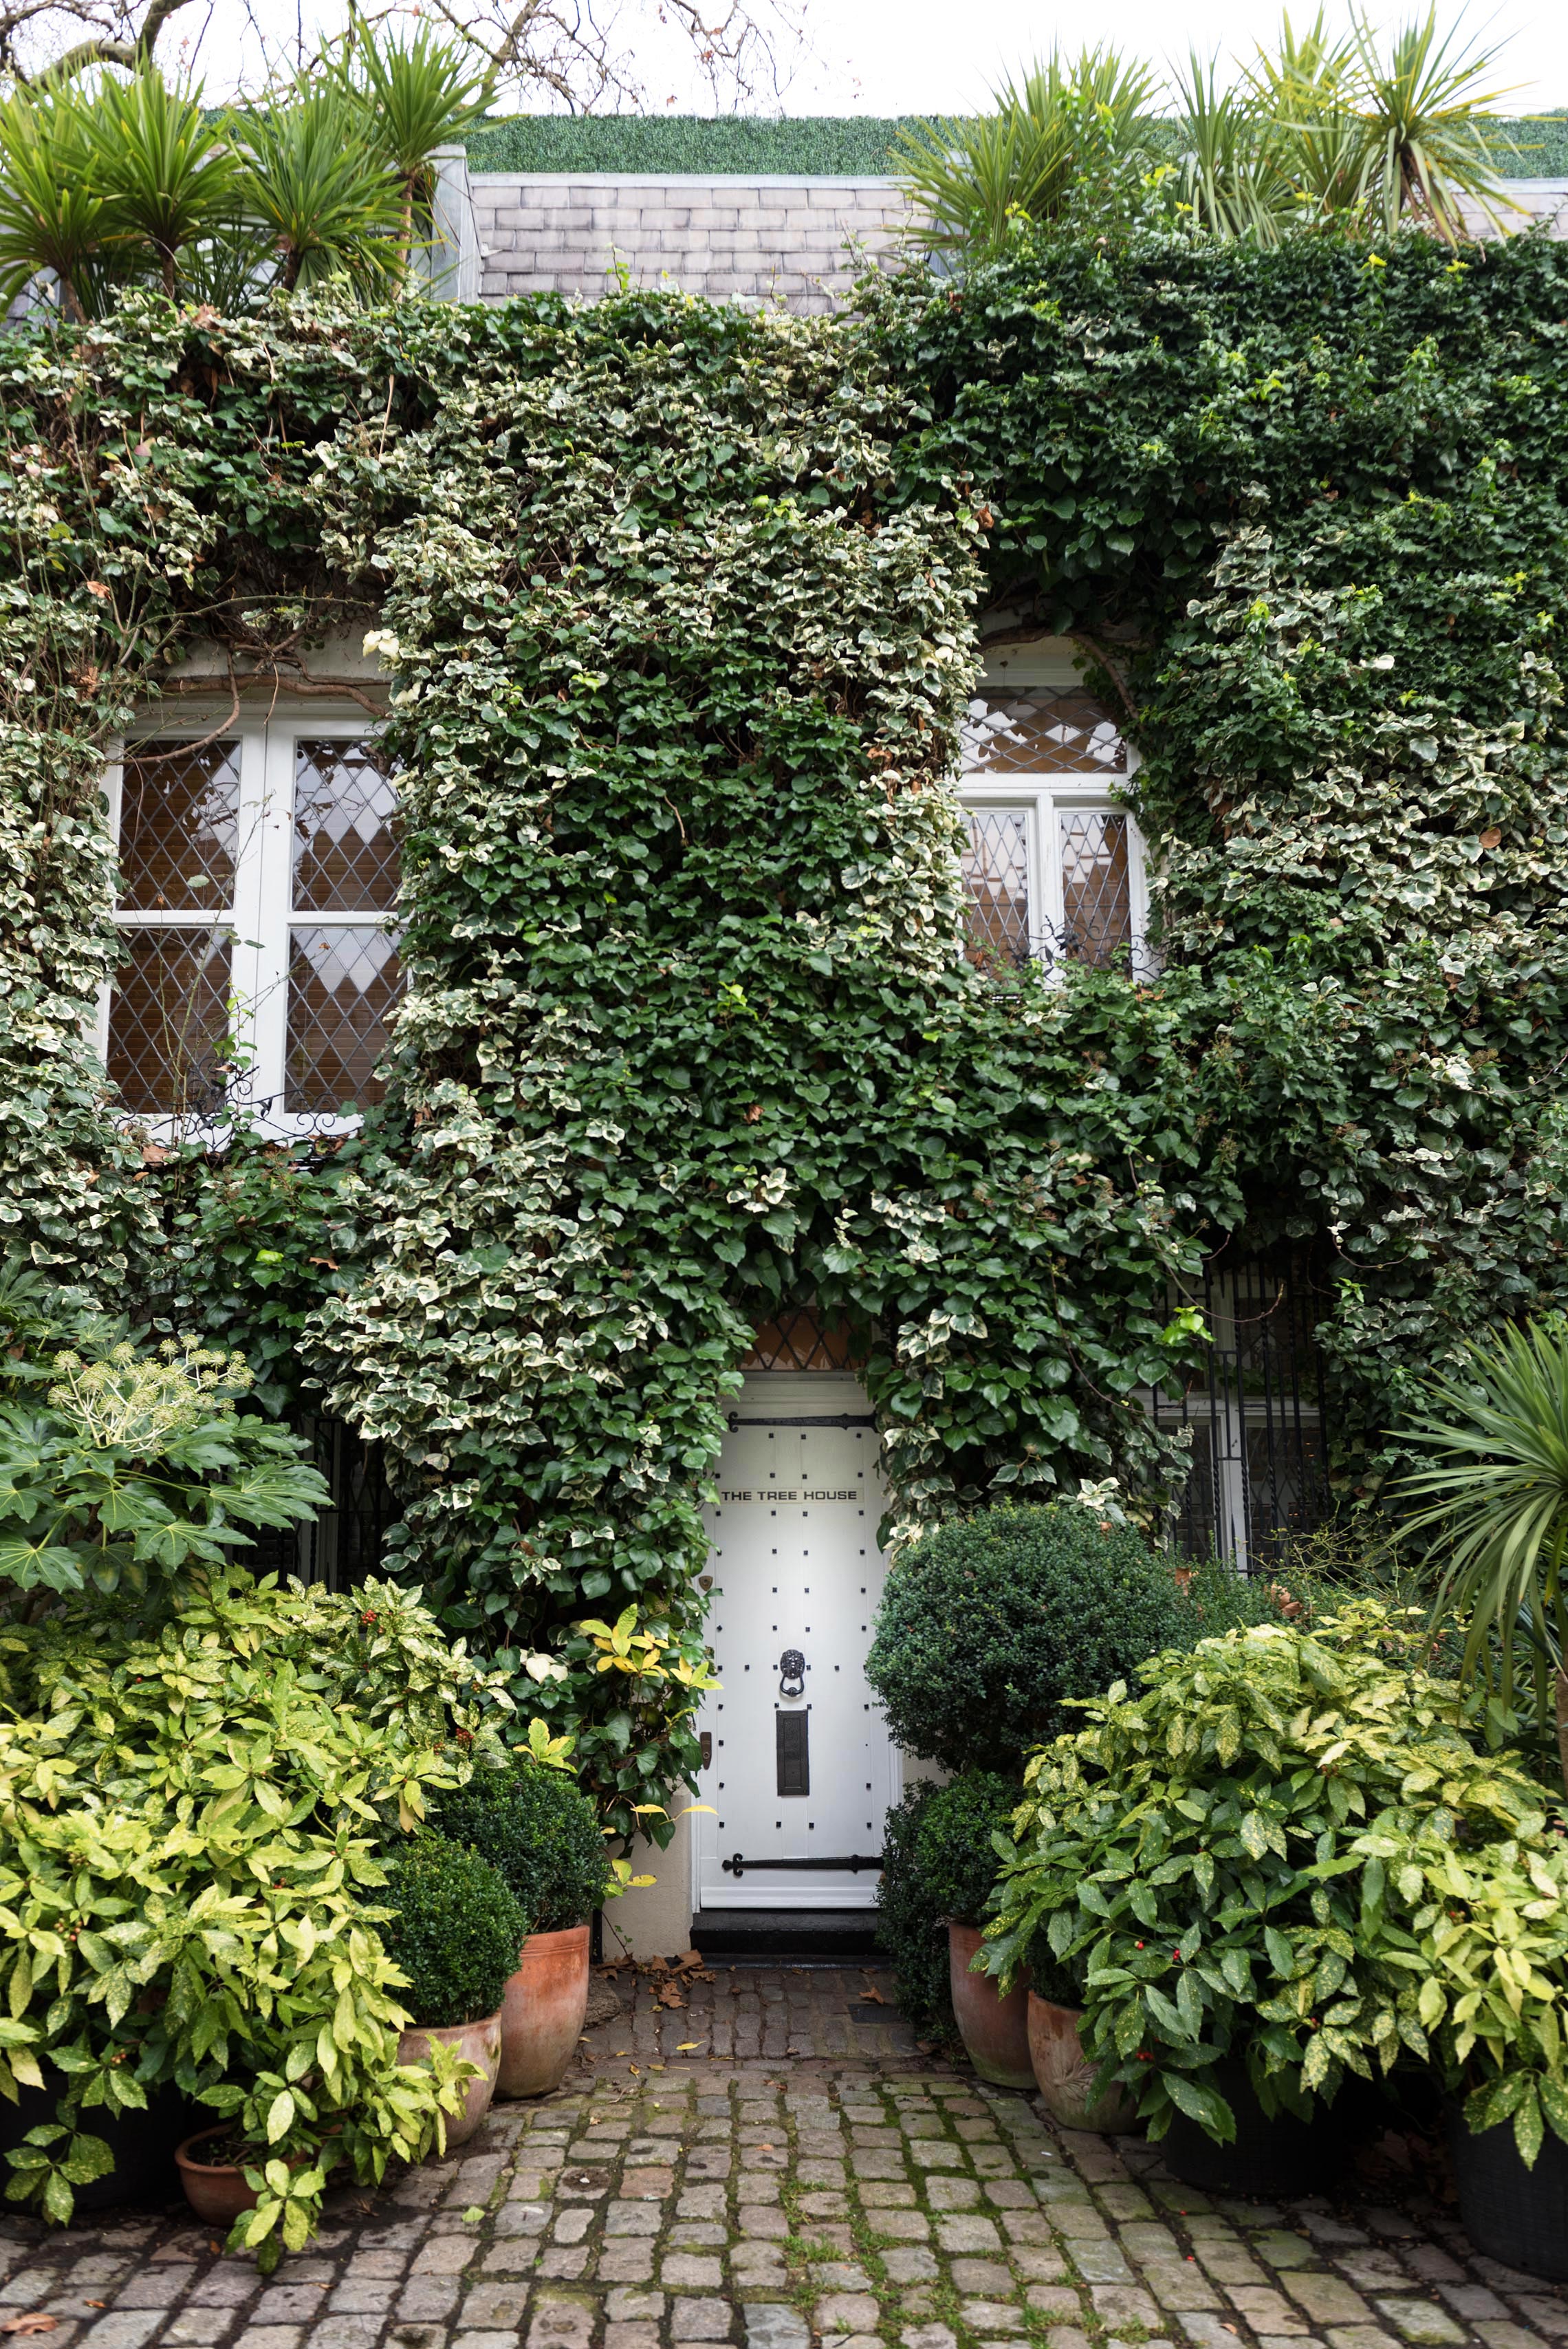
1063,2075
288,1728
958,1860
455,1931
1479,1928
1204,1858
538,1830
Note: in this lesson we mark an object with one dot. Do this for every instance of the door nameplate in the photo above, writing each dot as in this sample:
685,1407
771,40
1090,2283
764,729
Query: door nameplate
791,1498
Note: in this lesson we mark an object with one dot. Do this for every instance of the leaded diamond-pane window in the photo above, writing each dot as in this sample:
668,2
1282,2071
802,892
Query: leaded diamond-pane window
343,984
1051,866
169,1021
1097,898
345,829
1040,734
798,1339
996,883
285,828
179,827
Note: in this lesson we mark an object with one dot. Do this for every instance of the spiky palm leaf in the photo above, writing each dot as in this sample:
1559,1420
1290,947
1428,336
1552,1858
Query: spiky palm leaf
1422,115
1494,1492
1054,137
170,180
329,208
53,220
414,96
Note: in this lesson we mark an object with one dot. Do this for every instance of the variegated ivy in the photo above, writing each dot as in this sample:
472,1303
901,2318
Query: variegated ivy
679,604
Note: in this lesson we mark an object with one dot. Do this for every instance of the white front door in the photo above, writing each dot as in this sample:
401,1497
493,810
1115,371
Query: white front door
801,1769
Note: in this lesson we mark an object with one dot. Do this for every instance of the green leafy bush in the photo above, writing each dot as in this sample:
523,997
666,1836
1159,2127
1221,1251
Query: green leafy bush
1225,1860
455,1931
992,1624
907,1922
191,1804
131,1464
538,1830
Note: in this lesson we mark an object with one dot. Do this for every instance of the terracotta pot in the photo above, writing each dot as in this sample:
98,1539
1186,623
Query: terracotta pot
216,2191
995,2030
478,2043
1063,2075
542,2011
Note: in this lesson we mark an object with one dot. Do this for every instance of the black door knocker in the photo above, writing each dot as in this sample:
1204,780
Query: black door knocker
792,1671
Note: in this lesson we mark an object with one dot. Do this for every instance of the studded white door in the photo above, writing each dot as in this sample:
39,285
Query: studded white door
801,1769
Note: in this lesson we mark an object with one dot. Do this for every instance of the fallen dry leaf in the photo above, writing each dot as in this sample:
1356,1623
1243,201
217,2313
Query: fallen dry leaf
32,2321
688,2046
875,1994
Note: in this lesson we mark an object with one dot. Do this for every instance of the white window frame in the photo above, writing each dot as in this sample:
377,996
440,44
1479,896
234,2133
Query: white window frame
263,913
1045,798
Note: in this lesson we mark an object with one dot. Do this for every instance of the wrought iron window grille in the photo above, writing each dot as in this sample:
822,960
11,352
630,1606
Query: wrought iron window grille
1257,1413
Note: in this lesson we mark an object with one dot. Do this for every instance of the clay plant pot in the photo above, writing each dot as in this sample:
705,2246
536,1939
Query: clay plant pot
216,2191
1063,2075
995,2030
542,2013
477,2043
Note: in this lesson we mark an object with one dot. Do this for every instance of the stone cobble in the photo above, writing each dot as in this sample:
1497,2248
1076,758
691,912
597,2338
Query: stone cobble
695,2182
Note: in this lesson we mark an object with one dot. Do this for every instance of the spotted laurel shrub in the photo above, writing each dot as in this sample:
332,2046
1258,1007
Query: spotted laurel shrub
539,1832
988,1626
456,1931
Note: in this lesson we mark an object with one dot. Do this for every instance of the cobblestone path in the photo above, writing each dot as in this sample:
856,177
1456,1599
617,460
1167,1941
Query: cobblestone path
678,2196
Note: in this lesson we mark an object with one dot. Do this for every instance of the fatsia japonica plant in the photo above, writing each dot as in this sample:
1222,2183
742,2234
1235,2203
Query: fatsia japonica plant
133,1466
1239,1862
198,1802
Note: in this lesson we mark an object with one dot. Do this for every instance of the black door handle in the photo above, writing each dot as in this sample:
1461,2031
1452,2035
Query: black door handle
792,1673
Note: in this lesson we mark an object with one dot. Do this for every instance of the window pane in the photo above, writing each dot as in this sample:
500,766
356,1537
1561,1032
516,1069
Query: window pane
996,879
343,984
179,822
1040,734
169,1020
345,829
1097,901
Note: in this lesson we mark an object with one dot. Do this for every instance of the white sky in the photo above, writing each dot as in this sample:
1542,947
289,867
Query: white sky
917,56
910,57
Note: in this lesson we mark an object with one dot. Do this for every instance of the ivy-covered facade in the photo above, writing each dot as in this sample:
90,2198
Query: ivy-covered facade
678,611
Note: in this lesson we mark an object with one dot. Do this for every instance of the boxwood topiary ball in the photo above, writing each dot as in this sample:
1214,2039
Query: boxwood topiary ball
537,1828
990,1623
456,1931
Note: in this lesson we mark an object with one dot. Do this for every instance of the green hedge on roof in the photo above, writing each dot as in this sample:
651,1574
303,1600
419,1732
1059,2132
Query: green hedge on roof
825,146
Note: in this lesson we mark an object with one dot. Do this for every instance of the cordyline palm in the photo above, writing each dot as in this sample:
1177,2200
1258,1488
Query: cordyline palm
53,216
1051,136
1304,92
1423,126
414,96
1233,183
1493,1491
328,207
169,181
